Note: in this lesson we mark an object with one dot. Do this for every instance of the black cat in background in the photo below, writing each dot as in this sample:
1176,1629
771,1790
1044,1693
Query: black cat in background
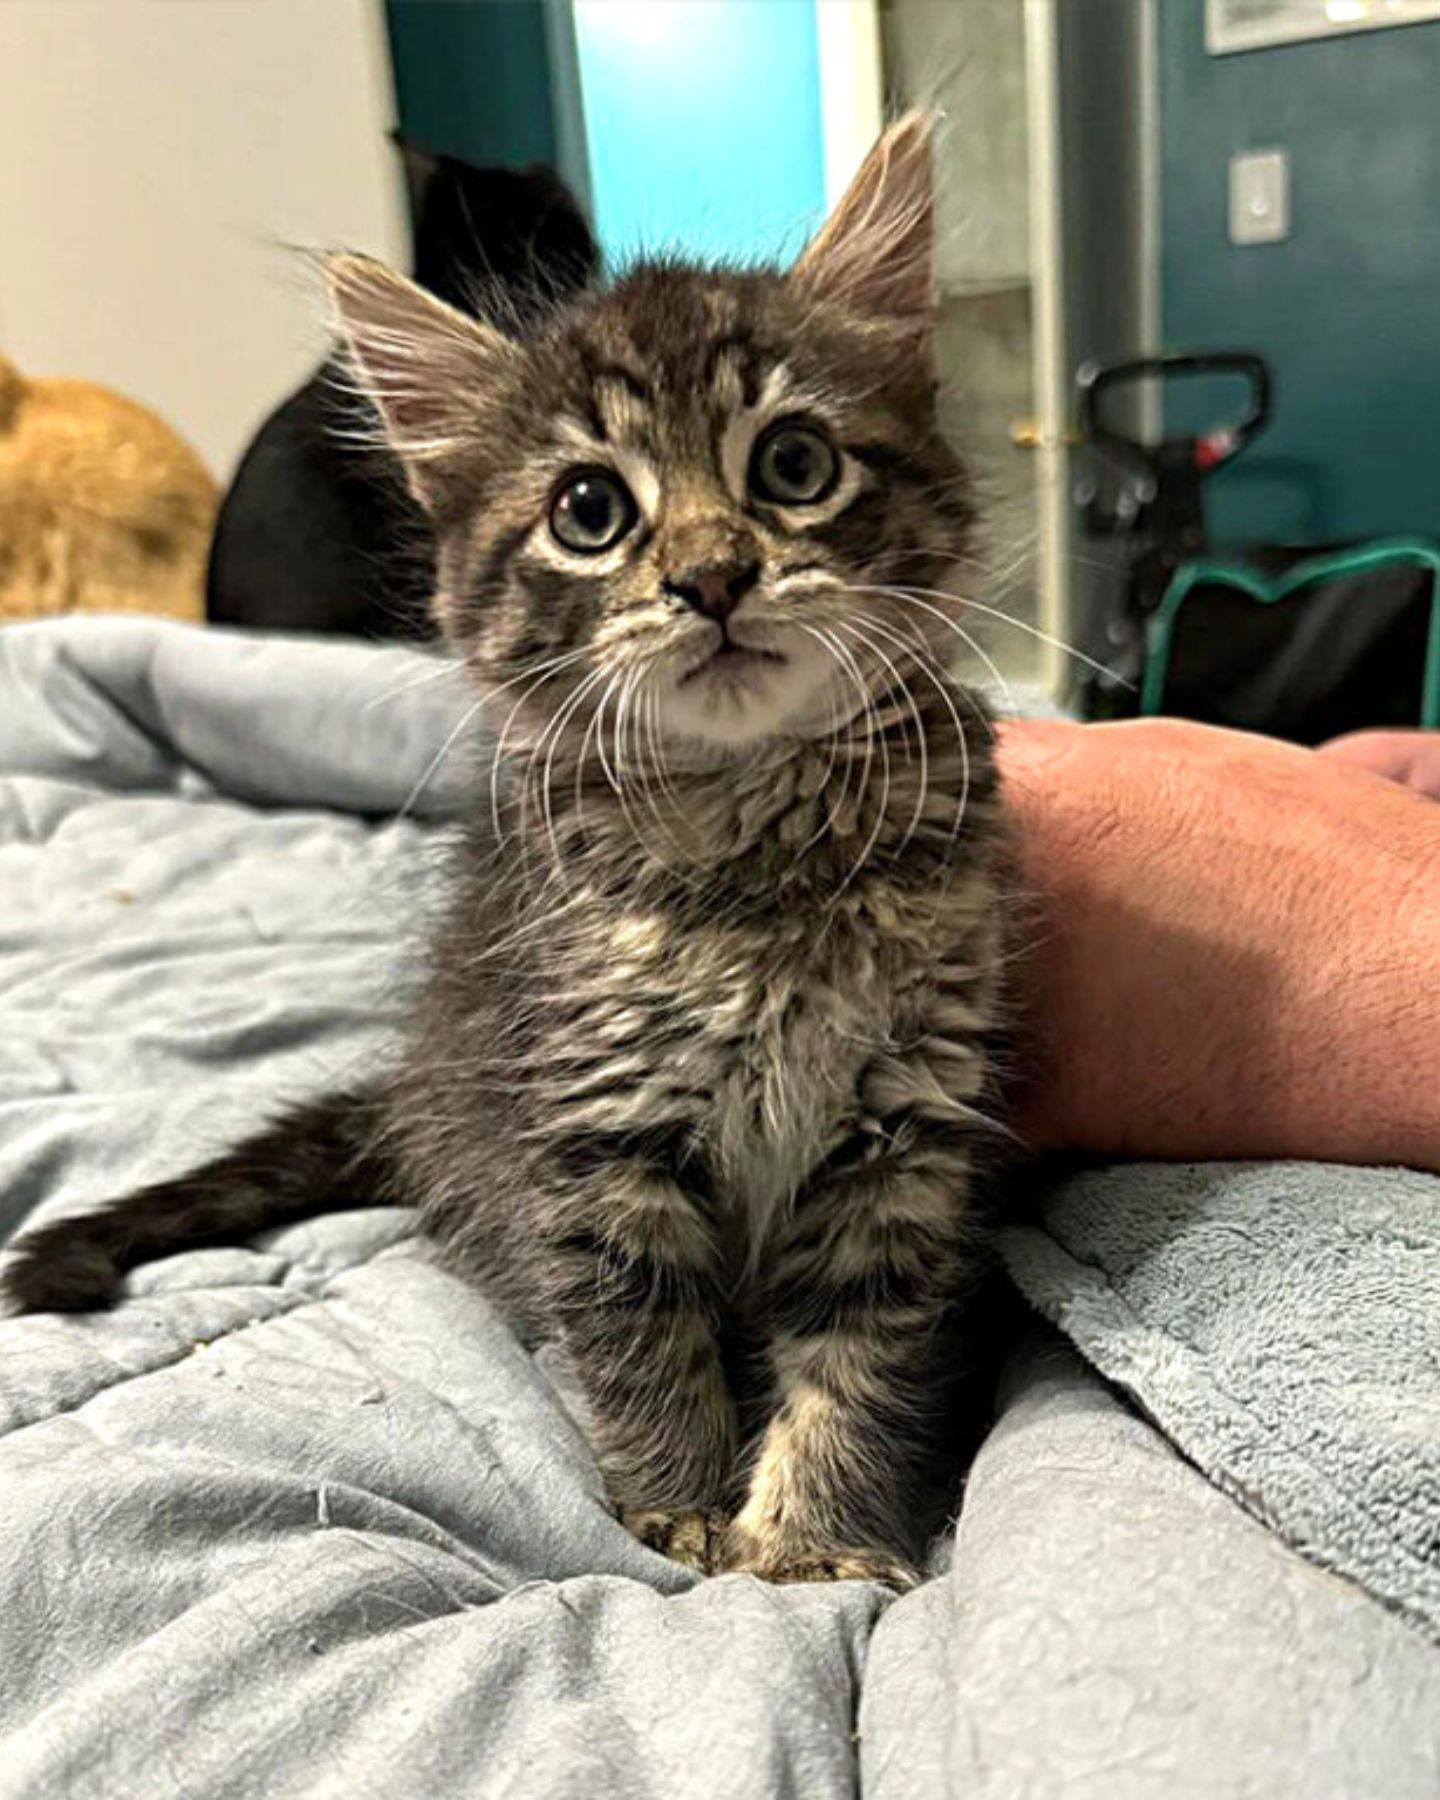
320,535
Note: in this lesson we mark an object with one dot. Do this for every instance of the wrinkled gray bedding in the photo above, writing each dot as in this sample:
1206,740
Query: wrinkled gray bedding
304,1520
1282,1321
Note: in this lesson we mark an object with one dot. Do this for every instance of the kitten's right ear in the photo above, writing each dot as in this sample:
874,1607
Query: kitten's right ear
428,368
874,255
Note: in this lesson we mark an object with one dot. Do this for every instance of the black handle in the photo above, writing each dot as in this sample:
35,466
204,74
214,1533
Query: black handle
1215,447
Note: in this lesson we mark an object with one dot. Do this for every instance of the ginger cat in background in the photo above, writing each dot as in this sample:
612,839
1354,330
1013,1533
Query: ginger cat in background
103,508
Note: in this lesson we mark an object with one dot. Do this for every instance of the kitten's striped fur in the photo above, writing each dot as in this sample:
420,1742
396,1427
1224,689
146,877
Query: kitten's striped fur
701,1071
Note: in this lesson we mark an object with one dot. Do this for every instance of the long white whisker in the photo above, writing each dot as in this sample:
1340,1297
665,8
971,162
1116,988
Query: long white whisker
439,757
443,666
648,756
906,592
874,731
617,737
863,637
960,632
655,740
946,688
829,822
976,649
547,670
554,731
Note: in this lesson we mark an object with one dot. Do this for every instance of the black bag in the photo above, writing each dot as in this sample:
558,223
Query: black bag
1297,644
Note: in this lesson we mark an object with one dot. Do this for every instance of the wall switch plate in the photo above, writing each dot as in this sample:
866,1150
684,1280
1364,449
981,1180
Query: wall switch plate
1260,197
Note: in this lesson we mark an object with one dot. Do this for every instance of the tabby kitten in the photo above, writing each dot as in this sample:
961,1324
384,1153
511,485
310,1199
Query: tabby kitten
701,1068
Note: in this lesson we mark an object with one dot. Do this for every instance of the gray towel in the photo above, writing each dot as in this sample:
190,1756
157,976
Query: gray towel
1281,1324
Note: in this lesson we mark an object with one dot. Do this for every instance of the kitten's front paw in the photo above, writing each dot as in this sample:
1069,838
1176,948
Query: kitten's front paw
690,1536
747,1556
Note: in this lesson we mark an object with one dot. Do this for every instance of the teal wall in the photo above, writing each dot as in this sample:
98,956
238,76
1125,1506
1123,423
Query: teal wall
472,78
702,124
1348,310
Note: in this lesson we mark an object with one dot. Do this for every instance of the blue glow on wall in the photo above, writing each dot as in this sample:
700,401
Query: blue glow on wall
702,123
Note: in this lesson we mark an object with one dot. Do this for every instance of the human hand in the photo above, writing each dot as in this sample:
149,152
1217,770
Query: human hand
1235,948
1409,757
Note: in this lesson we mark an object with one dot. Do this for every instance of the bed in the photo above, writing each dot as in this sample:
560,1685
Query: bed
302,1518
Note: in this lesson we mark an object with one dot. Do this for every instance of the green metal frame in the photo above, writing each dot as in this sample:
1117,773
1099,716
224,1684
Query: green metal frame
1160,631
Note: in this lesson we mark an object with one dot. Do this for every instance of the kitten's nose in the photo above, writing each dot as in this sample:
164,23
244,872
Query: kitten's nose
715,590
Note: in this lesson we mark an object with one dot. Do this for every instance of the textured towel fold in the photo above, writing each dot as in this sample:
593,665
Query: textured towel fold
1281,1323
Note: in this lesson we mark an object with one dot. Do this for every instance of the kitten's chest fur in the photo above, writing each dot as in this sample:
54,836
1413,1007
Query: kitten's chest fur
763,1046
736,1031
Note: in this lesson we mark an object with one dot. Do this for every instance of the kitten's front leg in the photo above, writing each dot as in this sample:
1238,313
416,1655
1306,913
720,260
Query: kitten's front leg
866,1273
633,1296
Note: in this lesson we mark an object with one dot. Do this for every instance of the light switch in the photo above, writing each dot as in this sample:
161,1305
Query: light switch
1260,197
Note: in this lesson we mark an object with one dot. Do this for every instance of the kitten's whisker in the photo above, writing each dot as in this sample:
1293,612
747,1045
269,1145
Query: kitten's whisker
946,687
611,777
863,637
594,733
994,612
556,665
550,738
965,638
655,742
876,732
873,729
543,670
909,596
444,666
630,767
581,757
975,648
828,823
439,757
897,683
622,721
649,759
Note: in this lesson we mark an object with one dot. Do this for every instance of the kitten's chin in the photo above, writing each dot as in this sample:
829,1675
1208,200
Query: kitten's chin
731,703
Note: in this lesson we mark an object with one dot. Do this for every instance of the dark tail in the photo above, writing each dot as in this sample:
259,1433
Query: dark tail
314,1158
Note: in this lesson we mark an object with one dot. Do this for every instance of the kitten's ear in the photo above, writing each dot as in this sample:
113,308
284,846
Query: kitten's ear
875,253
428,368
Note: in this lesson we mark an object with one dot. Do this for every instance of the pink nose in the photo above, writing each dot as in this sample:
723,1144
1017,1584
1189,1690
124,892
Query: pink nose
714,591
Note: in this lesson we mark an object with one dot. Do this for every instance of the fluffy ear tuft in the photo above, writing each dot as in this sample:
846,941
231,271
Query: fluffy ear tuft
875,253
428,368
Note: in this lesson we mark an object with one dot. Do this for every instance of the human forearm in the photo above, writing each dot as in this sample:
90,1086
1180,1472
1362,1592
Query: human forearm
1235,948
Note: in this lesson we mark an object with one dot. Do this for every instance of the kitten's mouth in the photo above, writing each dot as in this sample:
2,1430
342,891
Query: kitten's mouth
730,658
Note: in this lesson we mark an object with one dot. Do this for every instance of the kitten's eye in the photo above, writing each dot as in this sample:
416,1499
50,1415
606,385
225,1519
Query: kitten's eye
794,465
592,512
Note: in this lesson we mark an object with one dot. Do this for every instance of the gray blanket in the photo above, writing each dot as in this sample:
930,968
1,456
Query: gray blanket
303,1519
1282,1323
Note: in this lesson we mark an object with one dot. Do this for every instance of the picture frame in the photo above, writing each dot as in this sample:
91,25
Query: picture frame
1237,25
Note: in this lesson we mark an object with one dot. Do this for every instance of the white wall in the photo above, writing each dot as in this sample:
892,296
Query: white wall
158,160
968,58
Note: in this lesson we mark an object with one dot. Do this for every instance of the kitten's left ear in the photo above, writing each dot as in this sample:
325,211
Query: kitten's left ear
875,253
429,369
